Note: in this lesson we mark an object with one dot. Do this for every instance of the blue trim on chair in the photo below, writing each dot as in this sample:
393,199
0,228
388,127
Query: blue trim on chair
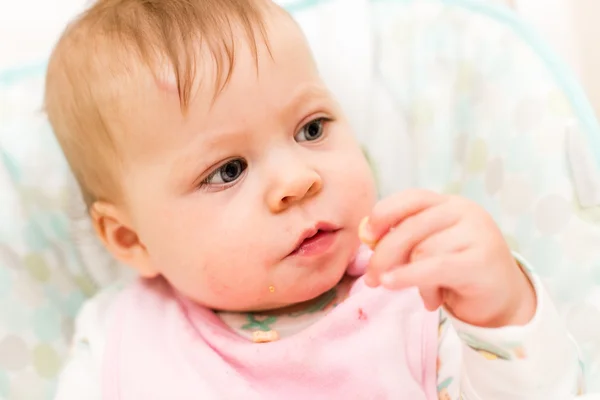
301,5
12,75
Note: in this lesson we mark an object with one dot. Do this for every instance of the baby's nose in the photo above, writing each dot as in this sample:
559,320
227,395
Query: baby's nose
293,183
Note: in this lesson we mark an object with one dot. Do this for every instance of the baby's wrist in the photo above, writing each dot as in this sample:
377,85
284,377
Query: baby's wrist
521,305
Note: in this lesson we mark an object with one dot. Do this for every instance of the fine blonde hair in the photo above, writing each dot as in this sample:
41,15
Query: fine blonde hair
96,58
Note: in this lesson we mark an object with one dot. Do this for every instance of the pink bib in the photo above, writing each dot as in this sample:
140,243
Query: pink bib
375,345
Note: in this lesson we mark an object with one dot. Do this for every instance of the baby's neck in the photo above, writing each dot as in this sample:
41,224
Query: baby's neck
338,293
289,320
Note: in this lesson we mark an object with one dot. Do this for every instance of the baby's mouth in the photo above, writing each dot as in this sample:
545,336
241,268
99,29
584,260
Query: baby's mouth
309,240
316,241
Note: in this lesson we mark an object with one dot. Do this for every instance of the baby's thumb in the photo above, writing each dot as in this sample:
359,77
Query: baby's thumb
432,298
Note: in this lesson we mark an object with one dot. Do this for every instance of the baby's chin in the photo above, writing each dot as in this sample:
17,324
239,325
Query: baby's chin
283,298
289,289
295,298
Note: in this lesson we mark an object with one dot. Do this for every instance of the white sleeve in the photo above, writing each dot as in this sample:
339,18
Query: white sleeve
81,374
535,361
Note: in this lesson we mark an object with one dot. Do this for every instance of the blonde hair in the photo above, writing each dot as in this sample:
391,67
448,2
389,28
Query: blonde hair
97,55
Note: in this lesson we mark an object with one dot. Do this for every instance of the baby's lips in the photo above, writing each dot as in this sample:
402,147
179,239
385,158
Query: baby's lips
359,264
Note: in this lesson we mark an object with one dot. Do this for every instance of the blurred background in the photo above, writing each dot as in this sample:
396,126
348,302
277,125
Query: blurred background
28,28
572,28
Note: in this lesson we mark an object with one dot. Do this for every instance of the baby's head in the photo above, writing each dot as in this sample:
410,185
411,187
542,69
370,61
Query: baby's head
207,148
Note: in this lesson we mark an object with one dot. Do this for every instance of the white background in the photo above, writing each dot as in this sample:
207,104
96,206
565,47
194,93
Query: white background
573,28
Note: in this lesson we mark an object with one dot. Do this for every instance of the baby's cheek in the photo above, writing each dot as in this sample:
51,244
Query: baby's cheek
233,287
217,284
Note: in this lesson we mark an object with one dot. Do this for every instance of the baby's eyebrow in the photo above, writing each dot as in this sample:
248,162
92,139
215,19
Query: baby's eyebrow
305,94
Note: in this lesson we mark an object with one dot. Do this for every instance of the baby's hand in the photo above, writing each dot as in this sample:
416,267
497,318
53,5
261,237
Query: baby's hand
453,252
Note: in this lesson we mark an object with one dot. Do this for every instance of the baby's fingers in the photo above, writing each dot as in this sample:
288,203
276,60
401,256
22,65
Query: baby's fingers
431,273
432,297
392,210
395,247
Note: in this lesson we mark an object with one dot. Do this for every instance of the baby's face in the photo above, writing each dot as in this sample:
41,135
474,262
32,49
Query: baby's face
223,198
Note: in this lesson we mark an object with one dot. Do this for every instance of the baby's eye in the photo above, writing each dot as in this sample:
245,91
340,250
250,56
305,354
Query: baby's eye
226,173
311,131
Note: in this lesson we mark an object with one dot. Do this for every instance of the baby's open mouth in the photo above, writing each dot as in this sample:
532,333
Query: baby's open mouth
316,241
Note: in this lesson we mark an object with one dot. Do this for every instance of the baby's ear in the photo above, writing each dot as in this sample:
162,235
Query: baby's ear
119,237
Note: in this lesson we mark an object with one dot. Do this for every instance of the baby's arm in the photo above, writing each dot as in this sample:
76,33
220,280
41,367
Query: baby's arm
534,361
514,344
81,374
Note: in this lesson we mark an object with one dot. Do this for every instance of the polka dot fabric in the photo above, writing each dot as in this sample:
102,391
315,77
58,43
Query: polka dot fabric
49,260
40,288
486,113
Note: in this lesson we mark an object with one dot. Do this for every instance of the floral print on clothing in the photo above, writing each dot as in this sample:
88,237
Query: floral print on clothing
442,389
509,351
258,323
265,323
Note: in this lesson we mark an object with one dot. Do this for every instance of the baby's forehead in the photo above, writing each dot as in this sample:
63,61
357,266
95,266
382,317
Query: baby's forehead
164,138
278,96
223,84
213,64
280,56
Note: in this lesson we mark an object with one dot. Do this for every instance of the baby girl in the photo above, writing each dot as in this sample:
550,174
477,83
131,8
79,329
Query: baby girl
216,164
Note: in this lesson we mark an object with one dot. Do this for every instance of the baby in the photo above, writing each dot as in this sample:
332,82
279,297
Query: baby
215,163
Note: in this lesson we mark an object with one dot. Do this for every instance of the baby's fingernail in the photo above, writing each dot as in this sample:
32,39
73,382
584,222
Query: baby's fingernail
365,234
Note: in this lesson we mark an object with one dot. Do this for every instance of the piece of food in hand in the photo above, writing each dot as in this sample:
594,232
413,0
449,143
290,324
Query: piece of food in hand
364,236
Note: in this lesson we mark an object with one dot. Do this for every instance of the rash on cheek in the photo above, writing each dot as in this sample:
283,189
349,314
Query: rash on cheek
218,285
